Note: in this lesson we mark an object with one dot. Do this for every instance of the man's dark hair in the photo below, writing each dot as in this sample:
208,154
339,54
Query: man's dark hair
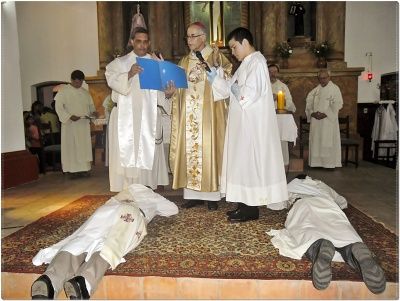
138,30
274,65
77,74
241,33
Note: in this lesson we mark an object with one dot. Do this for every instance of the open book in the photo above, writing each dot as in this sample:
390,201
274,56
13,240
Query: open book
156,74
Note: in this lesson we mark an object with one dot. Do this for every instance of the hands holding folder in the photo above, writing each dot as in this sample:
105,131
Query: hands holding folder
157,74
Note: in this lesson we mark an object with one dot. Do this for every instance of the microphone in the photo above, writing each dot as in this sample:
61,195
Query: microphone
200,57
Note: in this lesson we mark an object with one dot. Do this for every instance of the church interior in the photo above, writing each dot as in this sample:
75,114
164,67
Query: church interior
42,42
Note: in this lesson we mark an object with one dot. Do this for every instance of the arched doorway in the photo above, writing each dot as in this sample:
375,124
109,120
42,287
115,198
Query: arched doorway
45,91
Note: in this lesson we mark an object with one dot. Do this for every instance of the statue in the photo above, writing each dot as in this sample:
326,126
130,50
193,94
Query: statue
137,21
297,10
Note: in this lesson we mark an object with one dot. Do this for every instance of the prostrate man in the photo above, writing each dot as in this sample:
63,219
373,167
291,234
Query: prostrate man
277,86
79,261
74,106
252,172
322,109
317,227
198,127
133,122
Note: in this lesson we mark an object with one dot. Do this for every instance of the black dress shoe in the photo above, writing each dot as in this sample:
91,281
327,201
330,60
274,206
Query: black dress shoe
192,203
75,289
235,211
42,289
244,214
212,206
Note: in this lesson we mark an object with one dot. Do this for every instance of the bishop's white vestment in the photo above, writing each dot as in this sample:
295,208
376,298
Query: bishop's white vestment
252,169
132,125
76,143
316,213
324,138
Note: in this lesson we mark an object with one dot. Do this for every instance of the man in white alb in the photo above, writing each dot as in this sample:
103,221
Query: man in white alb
317,227
277,86
74,106
134,155
322,109
79,262
252,171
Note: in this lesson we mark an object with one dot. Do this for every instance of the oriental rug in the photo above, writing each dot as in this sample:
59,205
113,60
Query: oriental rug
198,243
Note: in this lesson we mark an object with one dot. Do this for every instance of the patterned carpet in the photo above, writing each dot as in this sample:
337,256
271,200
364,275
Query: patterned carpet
198,243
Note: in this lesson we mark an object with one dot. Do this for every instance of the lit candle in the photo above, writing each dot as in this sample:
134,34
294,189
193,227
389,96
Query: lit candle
281,101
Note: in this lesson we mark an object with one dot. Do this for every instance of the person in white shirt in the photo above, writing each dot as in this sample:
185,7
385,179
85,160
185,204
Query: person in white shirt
134,155
317,227
252,170
74,106
79,261
322,109
277,86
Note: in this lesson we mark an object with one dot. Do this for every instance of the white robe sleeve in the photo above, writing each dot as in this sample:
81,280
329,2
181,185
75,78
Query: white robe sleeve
220,86
62,113
254,85
335,104
117,80
310,103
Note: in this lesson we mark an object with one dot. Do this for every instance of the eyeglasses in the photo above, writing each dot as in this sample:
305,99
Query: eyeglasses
193,36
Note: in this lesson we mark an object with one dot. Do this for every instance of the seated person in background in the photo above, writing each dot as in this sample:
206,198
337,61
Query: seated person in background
277,86
317,227
36,111
34,140
50,116
79,261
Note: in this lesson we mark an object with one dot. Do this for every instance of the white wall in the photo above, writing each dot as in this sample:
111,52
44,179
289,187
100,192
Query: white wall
55,39
12,134
372,27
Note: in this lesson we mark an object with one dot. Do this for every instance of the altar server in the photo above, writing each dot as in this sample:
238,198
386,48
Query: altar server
276,86
74,106
252,171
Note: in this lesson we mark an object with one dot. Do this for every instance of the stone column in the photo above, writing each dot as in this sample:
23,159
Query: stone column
331,27
110,30
178,29
160,28
255,19
273,27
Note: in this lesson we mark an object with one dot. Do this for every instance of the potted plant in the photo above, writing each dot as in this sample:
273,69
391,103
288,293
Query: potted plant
321,51
284,51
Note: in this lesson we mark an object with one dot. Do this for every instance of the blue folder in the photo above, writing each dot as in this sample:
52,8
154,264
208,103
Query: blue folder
156,74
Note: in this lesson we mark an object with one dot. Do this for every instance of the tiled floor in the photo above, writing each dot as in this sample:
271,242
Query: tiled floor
371,188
